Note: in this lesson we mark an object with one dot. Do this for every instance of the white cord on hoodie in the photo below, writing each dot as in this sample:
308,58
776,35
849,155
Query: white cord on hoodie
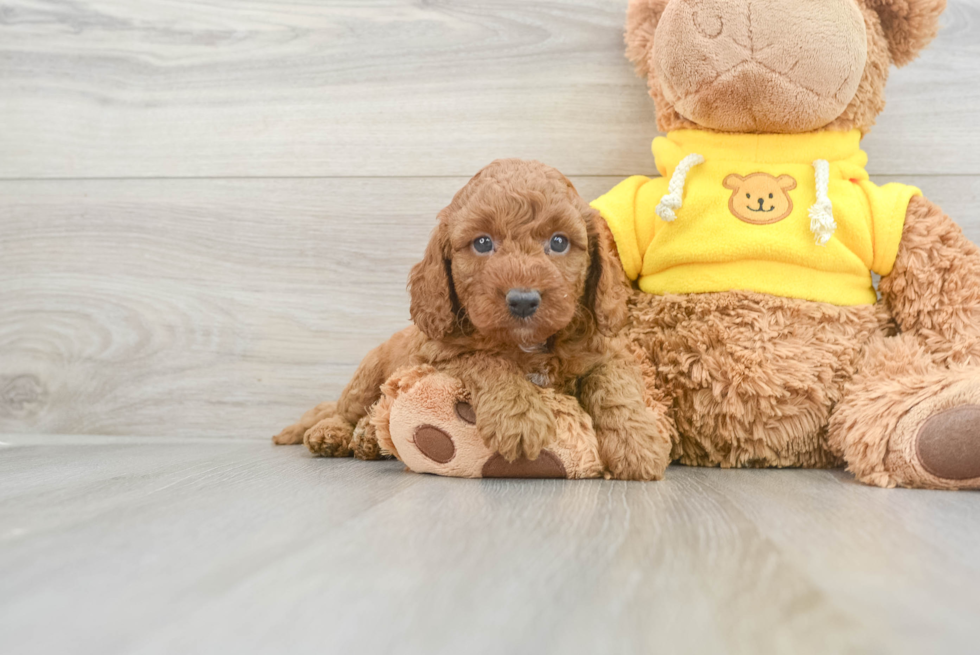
822,212
674,199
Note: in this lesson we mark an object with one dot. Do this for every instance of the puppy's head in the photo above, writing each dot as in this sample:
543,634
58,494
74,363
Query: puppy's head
516,257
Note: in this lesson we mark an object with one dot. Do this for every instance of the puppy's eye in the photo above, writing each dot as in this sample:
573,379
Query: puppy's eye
558,244
483,245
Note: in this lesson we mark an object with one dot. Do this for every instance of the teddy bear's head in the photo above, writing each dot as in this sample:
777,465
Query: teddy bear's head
776,66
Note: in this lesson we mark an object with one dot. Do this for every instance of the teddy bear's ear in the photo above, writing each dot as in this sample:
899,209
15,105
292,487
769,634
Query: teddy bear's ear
641,23
909,25
786,182
733,181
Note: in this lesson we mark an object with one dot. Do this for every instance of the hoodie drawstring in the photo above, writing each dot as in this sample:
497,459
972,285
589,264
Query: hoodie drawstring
822,222
674,199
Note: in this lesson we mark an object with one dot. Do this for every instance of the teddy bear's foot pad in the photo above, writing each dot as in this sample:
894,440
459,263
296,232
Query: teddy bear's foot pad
547,465
948,444
435,444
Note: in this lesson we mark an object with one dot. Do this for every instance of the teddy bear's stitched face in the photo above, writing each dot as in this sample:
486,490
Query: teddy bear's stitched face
776,66
760,65
760,198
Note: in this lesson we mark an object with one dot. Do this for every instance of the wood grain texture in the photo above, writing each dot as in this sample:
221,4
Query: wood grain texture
163,88
164,546
207,214
218,307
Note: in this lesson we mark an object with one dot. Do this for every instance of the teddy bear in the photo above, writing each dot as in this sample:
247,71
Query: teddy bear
761,336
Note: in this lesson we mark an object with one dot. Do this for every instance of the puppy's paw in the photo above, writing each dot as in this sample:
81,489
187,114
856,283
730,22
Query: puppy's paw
639,467
331,437
364,441
293,435
640,450
518,435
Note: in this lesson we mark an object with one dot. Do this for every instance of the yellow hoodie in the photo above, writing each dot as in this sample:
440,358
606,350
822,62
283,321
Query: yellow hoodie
790,215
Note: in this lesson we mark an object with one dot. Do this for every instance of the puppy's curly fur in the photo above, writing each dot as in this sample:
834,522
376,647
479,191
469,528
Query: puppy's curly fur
463,326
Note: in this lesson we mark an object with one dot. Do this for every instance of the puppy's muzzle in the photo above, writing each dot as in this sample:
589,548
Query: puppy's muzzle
522,303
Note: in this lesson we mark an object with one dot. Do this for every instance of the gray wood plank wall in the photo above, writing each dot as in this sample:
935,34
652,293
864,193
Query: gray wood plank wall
207,213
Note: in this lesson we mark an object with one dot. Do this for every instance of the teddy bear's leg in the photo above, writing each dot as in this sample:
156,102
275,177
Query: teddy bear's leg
425,418
905,421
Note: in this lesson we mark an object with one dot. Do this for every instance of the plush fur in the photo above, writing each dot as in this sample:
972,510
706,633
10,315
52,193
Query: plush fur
753,380
933,290
749,378
464,328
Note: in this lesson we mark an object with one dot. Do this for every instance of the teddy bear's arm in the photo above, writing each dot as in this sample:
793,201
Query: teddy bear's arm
933,290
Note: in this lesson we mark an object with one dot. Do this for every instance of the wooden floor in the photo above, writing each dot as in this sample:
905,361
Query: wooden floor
171,545
207,214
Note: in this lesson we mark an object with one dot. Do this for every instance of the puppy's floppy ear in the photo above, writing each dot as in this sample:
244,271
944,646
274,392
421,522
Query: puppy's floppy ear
909,25
606,291
641,24
435,306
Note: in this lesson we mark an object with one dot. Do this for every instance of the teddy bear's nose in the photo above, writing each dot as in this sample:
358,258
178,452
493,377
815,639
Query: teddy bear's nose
761,201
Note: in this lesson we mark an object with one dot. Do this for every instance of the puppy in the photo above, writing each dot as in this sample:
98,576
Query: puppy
520,287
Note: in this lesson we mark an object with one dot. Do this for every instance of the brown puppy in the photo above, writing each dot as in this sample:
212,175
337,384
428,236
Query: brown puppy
520,286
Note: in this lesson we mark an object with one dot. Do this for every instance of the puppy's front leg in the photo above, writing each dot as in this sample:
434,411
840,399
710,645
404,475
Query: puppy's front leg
329,429
334,435
511,416
631,444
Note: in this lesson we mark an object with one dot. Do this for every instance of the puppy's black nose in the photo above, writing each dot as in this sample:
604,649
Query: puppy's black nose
523,302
